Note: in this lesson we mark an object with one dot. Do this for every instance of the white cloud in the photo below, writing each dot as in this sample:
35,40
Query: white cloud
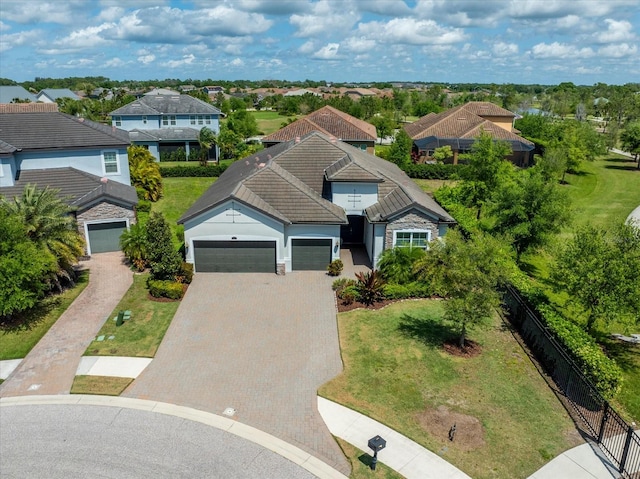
307,47
237,62
618,51
328,52
85,38
617,31
588,70
4,26
185,60
114,63
39,12
111,14
325,18
502,49
146,59
358,44
410,31
561,51
79,63
12,40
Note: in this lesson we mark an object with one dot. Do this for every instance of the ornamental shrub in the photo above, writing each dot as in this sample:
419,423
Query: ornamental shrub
165,289
416,289
335,267
209,171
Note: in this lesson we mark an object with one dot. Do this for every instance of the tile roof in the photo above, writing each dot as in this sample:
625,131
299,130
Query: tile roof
327,120
287,182
167,105
55,93
10,92
464,122
28,107
77,188
54,130
165,134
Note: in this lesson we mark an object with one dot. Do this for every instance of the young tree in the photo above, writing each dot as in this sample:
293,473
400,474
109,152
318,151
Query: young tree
468,274
51,227
630,139
163,258
442,153
487,168
145,172
599,268
529,210
400,150
384,125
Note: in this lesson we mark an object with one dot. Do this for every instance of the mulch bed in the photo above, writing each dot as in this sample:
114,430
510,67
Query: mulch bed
471,348
358,305
469,433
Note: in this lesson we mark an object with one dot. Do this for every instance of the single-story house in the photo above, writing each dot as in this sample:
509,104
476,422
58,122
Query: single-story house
50,95
86,161
459,127
331,122
12,93
291,206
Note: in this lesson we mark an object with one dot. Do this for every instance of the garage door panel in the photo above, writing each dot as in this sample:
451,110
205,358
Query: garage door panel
235,256
310,254
105,237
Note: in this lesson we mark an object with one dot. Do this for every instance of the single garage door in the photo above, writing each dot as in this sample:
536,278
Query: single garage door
235,256
104,237
310,254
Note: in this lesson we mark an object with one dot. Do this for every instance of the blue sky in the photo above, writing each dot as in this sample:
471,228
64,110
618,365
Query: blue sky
453,41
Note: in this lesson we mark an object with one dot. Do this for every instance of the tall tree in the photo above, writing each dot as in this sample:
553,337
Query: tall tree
163,258
630,139
145,172
400,150
207,139
529,210
51,226
468,274
598,268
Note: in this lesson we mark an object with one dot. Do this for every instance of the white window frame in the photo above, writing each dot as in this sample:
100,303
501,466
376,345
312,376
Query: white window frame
104,162
169,120
207,119
192,119
412,232
117,120
200,119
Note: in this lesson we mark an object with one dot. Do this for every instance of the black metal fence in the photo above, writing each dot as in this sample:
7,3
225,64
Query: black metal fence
616,438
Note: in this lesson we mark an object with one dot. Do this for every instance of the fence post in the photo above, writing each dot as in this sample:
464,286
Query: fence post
625,451
605,412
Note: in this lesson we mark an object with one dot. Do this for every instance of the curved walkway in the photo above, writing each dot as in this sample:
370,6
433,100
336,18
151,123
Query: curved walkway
51,365
101,436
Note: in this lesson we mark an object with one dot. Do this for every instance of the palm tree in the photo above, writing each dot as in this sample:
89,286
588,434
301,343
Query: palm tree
134,245
207,139
50,224
145,172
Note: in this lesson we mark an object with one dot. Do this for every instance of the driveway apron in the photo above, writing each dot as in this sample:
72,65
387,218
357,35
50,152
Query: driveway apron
256,346
51,365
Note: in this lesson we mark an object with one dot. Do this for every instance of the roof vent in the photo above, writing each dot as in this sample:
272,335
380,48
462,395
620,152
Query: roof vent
103,180
261,165
297,139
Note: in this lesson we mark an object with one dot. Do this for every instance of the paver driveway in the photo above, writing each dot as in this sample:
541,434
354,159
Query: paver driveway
259,343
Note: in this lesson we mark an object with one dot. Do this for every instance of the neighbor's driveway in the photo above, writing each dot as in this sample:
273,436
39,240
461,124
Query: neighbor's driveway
51,365
259,343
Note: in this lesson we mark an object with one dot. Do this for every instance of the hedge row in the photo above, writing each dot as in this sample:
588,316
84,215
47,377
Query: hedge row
165,289
409,290
602,371
435,171
211,171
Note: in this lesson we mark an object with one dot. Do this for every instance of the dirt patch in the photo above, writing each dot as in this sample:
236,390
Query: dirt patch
358,305
469,350
468,436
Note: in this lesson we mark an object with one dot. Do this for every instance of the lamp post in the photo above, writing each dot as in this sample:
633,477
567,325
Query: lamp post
376,444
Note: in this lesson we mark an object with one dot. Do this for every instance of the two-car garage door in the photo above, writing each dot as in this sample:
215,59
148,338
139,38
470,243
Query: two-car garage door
259,256
235,256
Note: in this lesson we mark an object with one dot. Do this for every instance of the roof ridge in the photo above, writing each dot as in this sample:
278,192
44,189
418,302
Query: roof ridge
99,127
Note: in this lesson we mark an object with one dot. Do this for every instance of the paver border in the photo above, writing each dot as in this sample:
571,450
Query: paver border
288,451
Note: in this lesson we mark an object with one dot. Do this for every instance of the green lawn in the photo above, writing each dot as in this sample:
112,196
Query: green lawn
179,194
361,464
270,121
16,344
396,371
141,335
101,385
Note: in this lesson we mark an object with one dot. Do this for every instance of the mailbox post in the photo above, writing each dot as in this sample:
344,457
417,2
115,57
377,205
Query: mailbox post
376,444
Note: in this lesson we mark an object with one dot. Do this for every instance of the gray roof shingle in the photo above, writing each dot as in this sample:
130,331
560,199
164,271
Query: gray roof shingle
166,105
77,188
287,182
54,130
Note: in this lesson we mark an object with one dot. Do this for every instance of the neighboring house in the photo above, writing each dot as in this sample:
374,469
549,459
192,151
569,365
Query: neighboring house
50,95
458,127
301,92
9,93
290,207
167,122
332,122
86,161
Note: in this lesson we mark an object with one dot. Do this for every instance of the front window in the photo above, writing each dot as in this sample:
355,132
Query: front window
168,120
411,239
200,120
117,120
110,162
207,119
192,119
144,120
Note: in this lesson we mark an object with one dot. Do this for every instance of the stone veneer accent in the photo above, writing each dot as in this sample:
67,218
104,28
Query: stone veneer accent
413,220
280,269
104,211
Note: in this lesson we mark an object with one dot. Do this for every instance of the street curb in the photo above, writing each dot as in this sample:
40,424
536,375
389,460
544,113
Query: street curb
294,454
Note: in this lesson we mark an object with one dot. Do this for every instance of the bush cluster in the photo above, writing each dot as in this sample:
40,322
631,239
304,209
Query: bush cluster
335,267
164,289
431,171
210,171
409,290
180,155
144,206
602,371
